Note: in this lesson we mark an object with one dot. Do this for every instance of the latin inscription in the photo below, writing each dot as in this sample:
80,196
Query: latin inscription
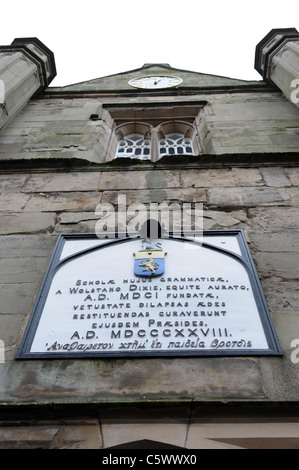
141,314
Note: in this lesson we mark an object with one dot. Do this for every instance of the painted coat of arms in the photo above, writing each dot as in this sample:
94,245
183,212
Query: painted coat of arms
150,260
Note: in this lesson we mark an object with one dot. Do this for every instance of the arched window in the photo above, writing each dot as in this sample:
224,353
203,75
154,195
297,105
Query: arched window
175,144
154,131
134,145
153,140
176,138
134,140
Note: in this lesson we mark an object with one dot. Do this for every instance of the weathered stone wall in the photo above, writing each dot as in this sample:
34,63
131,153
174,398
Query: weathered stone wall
55,129
250,123
38,205
53,175
239,123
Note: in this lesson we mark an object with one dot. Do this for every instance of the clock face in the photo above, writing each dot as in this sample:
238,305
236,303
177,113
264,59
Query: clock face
156,82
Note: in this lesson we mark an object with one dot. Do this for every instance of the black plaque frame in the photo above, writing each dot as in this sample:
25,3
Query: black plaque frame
55,263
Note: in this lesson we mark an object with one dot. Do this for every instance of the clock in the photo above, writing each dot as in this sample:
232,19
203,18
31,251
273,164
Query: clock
152,83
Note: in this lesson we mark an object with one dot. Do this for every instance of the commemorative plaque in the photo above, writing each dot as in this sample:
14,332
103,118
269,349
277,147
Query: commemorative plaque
135,297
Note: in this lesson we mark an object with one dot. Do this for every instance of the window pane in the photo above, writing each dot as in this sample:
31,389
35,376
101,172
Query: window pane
133,145
176,144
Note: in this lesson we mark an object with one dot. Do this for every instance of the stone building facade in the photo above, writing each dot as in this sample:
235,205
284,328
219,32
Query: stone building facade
60,157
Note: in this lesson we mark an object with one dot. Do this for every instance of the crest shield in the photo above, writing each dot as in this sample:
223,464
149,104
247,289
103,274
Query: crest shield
149,263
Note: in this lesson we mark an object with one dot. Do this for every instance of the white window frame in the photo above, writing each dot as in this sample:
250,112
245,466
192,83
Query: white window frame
151,138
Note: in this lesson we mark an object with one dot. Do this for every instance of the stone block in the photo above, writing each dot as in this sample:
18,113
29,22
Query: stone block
221,178
18,298
275,218
53,139
13,202
284,265
156,195
22,270
223,219
141,379
274,241
294,196
87,226
285,139
26,245
247,149
26,223
139,179
75,217
281,296
246,197
10,150
247,138
287,327
293,175
275,176
10,326
11,183
27,437
77,222
54,182
85,434
69,201
281,378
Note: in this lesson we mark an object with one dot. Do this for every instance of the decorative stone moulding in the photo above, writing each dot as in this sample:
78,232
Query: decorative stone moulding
39,54
277,60
271,45
27,67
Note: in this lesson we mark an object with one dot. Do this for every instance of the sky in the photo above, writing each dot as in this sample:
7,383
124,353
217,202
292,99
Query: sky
98,38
